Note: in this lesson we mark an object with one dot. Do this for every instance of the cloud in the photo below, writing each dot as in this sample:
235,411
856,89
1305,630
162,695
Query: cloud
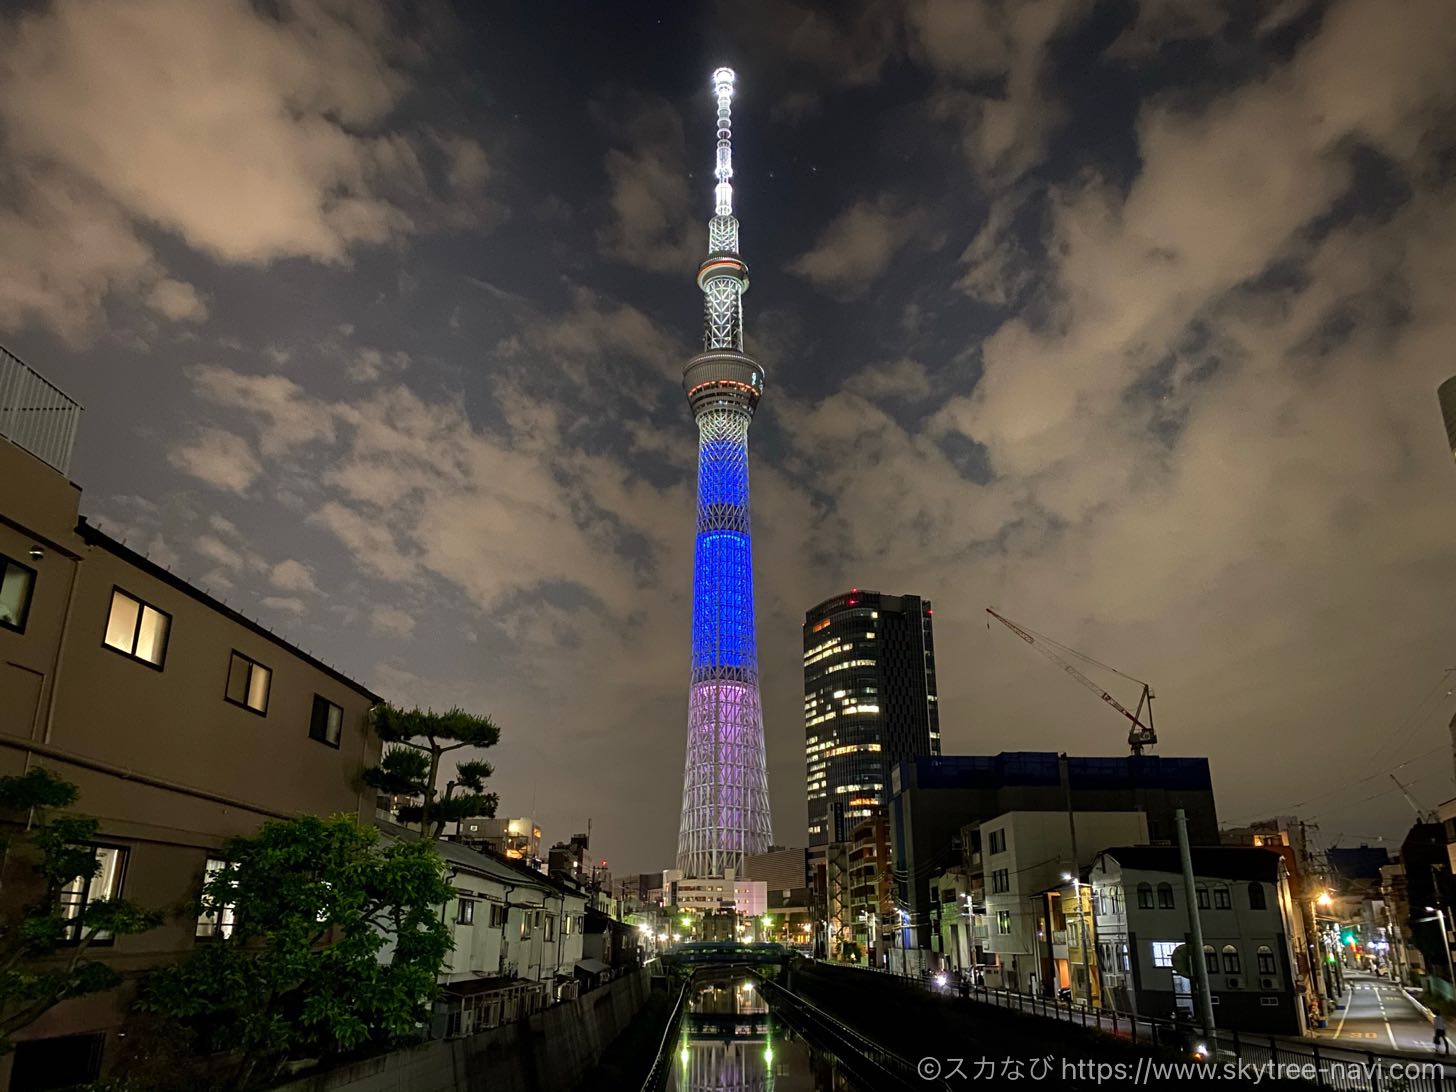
991,56
392,622
857,247
176,300
218,457
248,136
292,576
653,223
286,604
900,379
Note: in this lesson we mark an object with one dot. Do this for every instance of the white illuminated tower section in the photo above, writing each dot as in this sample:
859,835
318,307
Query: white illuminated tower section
725,812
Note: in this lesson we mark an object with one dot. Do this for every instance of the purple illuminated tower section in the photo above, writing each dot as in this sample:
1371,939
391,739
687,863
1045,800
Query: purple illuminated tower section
725,812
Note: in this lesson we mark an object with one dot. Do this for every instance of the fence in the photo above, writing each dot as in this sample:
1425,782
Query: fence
1243,1054
35,414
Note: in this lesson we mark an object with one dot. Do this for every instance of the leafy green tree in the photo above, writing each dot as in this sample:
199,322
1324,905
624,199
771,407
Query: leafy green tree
43,953
335,946
419,739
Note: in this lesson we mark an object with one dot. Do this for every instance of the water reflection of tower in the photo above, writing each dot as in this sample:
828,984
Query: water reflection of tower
736,1065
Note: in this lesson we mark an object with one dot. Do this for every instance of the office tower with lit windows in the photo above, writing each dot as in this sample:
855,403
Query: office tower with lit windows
725,811
869,703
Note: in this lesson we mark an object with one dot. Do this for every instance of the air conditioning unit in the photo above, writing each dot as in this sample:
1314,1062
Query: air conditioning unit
1233,983
1266,983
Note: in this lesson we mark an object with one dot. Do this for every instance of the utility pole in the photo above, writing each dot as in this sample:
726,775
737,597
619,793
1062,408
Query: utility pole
1085,933
1195,930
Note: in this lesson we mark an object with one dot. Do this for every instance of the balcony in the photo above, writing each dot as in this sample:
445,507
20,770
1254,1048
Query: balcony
35,414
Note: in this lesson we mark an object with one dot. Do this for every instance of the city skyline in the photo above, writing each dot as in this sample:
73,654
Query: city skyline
1128,322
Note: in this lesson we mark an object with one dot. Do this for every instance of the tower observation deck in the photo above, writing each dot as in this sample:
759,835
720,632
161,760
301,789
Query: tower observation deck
725,810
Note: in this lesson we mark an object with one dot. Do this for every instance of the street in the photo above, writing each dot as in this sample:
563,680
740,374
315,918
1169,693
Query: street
1379,1016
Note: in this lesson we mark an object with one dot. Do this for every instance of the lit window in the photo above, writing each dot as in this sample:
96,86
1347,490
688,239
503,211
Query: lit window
1163,952
465,912
103,884
327,723
17,581
137,629
215,919
550,928
247,683
1003,922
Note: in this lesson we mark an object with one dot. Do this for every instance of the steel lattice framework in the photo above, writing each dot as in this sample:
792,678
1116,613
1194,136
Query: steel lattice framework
725,812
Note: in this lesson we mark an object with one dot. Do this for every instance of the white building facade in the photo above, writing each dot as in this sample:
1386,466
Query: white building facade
1244,907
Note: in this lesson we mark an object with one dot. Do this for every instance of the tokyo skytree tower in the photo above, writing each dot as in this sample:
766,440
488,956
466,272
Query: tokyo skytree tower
725,813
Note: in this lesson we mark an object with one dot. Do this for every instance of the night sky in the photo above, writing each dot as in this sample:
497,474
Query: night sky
1125,318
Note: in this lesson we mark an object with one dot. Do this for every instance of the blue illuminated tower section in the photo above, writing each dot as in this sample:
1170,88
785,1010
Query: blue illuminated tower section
725,813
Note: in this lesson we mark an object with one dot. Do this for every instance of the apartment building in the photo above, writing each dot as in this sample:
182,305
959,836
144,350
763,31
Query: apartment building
1245,911
182,721
1024,856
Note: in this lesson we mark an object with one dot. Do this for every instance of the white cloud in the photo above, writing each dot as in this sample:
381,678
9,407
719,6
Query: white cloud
218,457
858,246
392,622
247,135
292,576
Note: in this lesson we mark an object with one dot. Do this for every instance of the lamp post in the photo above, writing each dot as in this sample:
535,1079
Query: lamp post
1323,987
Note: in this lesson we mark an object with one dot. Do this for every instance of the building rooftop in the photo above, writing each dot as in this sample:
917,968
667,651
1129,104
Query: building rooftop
94,536
1220,862
1044,768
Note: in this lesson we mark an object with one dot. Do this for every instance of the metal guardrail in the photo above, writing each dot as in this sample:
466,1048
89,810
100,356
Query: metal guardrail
36,414
889,1070
1344,1069
662,1064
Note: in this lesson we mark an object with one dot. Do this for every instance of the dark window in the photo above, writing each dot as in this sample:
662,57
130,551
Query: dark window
248,683
1145,896
1202,897
1165,896
17,582
465,912
1221,899
1000,881
1230,959
1266,959
1210,959
137,629
998,841
1256,896
63,1062
497,915
104,883
327,723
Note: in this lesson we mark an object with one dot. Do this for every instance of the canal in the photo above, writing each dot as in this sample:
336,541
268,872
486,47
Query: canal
732,1041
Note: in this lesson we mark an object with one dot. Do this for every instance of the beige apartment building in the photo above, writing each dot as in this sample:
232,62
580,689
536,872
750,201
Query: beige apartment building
182,721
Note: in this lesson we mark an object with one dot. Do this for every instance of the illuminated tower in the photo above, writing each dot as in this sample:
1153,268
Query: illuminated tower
725,812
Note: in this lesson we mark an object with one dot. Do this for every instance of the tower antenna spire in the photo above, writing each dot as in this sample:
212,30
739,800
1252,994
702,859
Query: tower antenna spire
723,80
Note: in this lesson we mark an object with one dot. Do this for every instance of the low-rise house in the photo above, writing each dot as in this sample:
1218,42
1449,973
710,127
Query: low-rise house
517,940
1245,909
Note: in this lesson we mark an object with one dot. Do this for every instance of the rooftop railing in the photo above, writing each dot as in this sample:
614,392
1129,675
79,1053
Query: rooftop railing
36,414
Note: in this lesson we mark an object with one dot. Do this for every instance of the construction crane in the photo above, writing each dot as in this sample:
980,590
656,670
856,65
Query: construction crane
1423,815
1141,734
